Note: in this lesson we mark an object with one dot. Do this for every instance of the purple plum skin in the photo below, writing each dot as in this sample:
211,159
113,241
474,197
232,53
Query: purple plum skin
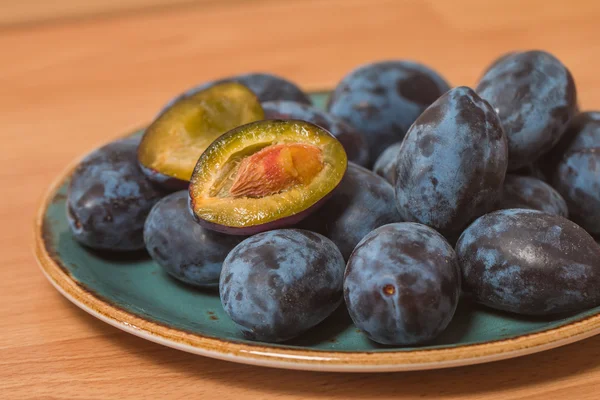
362,202
353,141
109,198
531,193
452,163
278,284
385,166
402,284
382,100
185,250
534,95
529,262
576,174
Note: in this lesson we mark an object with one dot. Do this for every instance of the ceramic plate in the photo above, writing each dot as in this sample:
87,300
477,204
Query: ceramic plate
135,295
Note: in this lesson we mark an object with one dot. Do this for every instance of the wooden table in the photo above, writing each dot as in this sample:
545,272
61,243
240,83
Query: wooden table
68,86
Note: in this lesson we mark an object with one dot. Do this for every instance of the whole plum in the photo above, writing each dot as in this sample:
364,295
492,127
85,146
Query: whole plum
184,249
109,198
385,166
529,262
577,172
452,163
275,285
383,99
534,95
402,284
362,202
353,141
267,87
531,193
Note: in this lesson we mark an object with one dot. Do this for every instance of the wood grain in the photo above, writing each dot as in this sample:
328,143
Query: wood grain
40,11
70,86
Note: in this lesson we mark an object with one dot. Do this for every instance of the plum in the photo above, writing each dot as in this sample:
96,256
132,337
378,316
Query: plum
576,174
275,285
267,87
529,262
173,143
383,99
353,141
362,202
532,193
402,284
385,166
265,175
534,96
109,198
452,163
184,249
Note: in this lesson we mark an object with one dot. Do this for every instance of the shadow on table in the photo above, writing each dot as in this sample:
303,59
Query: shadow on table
534,370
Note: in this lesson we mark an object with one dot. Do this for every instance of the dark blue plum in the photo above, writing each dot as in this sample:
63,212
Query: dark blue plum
275,285
452,163
353,141
530,262
534,95
362,202
184,249
382,100
531,193
109,198
267,87
577,172
402,284
385,166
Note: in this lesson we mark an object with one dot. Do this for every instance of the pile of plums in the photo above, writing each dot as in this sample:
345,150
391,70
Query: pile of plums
401,196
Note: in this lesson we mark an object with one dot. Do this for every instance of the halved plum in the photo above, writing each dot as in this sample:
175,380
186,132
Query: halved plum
265,175
173,143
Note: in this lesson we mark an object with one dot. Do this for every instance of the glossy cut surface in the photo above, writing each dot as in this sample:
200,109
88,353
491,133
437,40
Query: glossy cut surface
251,179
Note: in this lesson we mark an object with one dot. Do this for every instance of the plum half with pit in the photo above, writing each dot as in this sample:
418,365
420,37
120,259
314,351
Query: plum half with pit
265,175
173,143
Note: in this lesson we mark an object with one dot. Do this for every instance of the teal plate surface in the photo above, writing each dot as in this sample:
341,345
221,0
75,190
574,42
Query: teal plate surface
135,294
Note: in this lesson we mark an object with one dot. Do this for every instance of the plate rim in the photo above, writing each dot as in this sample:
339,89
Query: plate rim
289,358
